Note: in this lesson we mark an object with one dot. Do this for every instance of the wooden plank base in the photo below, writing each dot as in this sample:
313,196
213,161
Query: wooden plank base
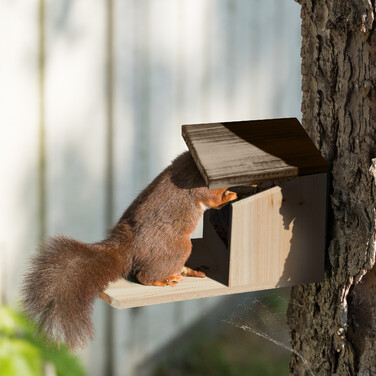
126,294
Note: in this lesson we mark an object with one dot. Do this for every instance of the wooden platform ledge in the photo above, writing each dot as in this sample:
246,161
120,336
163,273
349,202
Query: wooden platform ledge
126,294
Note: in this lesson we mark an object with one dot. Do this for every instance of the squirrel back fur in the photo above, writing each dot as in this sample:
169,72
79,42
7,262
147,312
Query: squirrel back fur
150,241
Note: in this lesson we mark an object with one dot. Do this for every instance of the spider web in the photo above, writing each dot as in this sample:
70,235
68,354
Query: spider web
264,314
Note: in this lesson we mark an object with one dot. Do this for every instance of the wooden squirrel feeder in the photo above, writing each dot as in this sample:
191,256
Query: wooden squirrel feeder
273,236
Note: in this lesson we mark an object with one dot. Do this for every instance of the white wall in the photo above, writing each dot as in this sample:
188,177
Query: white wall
173,62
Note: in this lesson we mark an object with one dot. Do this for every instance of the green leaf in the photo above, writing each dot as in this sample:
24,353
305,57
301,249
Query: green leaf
18,357
22,352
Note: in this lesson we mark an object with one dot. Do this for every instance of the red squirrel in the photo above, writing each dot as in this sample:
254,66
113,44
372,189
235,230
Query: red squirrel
151,241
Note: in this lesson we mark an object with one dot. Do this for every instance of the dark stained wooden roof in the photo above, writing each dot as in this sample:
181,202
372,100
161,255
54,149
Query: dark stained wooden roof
246,152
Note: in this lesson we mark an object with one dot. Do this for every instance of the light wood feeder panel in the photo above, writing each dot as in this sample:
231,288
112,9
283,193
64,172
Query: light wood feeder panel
272,236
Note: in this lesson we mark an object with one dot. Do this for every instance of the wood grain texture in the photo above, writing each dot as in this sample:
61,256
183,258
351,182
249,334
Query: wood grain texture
246,152
278,236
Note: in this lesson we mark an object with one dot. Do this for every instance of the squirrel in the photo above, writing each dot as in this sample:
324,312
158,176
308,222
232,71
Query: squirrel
151,242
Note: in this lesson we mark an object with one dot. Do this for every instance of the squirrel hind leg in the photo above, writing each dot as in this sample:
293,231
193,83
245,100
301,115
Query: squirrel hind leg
170,281
188,272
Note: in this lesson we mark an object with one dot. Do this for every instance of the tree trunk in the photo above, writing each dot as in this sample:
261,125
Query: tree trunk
333,323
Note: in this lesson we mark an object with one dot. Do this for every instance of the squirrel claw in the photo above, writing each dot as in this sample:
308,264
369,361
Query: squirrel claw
175,278
171,281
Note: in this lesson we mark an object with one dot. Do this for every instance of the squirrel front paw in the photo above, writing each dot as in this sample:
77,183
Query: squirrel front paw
229,196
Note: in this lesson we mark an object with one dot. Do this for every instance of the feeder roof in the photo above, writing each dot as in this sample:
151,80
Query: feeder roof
247,152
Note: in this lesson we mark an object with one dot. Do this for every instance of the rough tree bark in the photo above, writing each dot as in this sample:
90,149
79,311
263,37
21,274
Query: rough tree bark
333,323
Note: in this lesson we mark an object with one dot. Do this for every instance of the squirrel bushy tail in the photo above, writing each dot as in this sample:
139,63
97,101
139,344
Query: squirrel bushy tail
62,283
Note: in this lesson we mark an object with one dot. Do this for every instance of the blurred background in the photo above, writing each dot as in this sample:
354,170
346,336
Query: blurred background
93,94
